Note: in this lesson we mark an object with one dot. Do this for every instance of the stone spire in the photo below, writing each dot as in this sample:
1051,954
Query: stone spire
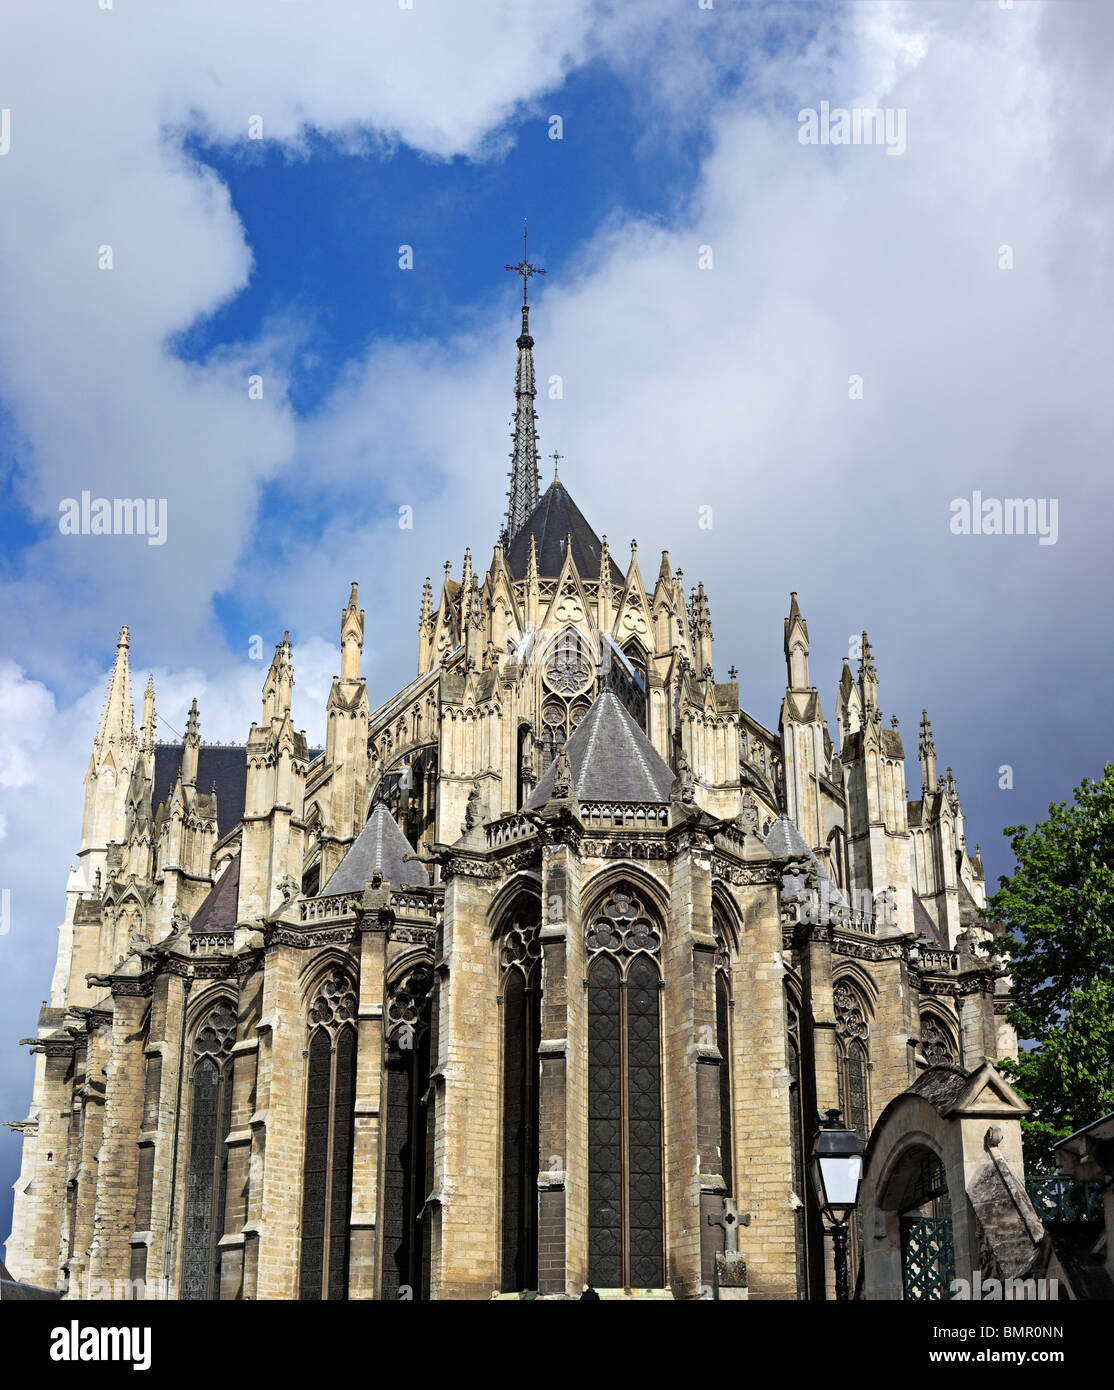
796,647
191,746
928,755
603,594
868,678
849,707
701,626
147,737
352,636
278,686
118,718
465,587
522,497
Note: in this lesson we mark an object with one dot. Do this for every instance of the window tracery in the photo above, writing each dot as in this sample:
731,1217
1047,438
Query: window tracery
329,1134
936,1042
567,678
520,956
408,1022
207,1172
625,1206
852,1033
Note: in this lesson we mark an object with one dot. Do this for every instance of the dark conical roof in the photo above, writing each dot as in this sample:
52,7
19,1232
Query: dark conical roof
380,845
611,759
220,907
555,517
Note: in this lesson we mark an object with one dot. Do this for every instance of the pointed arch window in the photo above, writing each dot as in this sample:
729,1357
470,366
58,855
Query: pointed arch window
567,678
632,683
723,1045
854,1058
405,1174
937,1041
520,964
327,1169
625,1202
207,1173
797,1141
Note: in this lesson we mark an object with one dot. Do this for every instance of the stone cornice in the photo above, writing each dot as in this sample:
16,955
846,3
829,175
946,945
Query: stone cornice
277,934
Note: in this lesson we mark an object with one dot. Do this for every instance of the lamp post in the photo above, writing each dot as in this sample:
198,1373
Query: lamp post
836,1166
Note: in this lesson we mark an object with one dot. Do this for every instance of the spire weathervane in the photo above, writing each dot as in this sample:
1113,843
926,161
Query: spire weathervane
524,268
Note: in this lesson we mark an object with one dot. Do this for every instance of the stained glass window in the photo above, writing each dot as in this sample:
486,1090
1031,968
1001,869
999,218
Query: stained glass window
797,1140
568,677
206,1175
625,1205
851,1031
406,1172
723,1043
327,1162
520,962
936,1041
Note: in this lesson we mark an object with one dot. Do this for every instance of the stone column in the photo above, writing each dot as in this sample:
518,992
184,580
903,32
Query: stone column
118,1165
363,1267
42,1258
467,1168
559,907
98,1049
278,1138
245,1074
763,1148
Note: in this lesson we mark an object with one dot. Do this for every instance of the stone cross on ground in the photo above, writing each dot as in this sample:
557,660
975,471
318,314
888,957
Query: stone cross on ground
730,1220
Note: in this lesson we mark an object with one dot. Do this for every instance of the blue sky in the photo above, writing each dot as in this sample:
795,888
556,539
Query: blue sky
683,387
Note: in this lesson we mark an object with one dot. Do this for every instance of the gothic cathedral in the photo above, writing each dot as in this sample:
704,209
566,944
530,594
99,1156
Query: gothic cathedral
515,985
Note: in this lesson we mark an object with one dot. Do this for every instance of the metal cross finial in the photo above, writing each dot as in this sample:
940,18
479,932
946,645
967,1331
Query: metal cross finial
524,268
555,456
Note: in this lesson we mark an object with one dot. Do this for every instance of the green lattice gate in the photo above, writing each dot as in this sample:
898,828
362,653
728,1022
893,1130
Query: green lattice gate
927,1257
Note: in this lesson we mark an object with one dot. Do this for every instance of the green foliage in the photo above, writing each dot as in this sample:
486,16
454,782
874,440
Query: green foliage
1058,907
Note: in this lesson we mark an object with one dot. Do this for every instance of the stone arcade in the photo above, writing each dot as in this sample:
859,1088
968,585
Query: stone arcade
524,976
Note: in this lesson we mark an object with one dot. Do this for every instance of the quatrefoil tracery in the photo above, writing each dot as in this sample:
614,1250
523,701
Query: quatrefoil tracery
335,1003
521,946
622,928
850,1020
408,1005
217,1034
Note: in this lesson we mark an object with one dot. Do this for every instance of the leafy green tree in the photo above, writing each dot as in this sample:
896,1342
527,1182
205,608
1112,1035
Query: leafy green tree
1058,908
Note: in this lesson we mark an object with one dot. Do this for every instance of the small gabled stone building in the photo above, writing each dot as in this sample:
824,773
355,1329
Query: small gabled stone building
511,984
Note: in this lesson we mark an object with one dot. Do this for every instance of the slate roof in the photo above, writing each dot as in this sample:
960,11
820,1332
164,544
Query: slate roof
785,841
941,1085
555,517
611,759
925,926
220,907
12,1291
379,845
225,764
969,914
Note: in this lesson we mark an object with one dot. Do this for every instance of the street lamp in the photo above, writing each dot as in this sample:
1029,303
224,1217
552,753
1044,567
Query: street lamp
836,1167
